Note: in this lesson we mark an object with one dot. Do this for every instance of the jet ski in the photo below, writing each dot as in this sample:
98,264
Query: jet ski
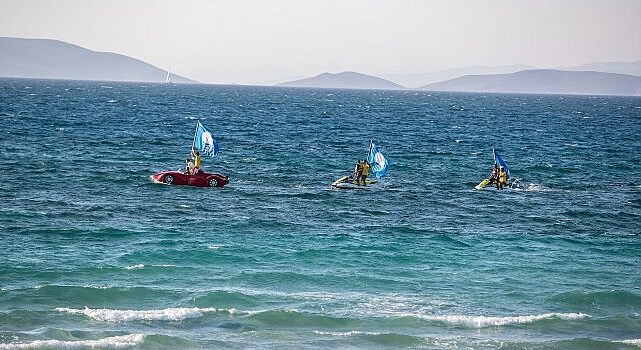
348,182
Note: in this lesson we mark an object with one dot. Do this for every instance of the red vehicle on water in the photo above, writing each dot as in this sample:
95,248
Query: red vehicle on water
199,179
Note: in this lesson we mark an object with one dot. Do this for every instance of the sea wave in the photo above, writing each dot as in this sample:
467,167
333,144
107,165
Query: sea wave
169,314
135,267
489,321
636,342
345,334
118,342
622,300
388,340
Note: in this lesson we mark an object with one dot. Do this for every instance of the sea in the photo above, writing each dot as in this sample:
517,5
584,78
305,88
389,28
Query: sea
93,255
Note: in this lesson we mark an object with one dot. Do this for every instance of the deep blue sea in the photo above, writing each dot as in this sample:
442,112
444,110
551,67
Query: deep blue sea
94,255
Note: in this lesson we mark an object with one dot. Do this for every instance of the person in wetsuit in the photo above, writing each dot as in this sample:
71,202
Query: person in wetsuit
357,170
494,177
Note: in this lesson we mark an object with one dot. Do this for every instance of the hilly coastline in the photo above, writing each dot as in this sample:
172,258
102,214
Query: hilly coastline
54,59
545,81
344,80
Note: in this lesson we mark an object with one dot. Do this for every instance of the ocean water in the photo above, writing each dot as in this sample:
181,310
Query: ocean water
96,256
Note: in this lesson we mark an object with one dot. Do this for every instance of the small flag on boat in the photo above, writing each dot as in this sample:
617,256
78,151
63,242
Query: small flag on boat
204,141
500,162
377,161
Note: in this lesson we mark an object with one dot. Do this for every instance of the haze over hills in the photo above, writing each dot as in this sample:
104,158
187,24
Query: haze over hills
421,79
630,68
545,81
54,59
344,80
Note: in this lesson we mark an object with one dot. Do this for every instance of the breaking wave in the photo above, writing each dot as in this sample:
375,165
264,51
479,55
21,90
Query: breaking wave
118,342
170,314
489,321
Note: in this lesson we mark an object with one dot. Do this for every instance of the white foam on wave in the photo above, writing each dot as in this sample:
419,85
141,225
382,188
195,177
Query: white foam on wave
118,342
170,314
537,188
213,247
135,267
489,321
636,342
345,334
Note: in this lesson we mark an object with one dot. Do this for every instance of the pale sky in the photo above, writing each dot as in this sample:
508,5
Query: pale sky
253,41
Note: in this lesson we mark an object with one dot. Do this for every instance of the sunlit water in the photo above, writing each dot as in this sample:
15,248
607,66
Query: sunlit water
94,255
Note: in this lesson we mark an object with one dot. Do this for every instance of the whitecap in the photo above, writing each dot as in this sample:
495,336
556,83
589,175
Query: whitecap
135,267
111,315
213,247
185,206
118,342
112,101
537,188
636,342
488,321
345,334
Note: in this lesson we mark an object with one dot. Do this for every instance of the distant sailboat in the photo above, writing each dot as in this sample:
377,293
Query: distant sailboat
168,77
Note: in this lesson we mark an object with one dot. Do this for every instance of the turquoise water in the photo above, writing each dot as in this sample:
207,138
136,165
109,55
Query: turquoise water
94,255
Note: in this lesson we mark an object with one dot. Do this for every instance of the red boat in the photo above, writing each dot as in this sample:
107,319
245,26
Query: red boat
200,179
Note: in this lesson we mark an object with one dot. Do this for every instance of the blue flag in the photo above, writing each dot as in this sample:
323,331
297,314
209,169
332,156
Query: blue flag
378,162
500,162
204,141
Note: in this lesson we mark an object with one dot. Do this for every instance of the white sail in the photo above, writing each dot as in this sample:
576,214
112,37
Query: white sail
168,77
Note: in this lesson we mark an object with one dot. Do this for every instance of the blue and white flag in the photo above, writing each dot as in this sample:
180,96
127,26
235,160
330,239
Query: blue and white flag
378,162
204,141
500,162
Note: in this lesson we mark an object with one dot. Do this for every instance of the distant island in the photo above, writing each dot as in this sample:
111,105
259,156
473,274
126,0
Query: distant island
54,59
629,68
545,81
344,80
421,79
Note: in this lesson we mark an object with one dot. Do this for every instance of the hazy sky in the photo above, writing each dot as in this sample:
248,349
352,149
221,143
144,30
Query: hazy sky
245,41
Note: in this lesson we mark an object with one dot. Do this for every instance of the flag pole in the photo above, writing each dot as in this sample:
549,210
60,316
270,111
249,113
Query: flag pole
195,133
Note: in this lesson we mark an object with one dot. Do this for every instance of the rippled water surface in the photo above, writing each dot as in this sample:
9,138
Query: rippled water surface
94,255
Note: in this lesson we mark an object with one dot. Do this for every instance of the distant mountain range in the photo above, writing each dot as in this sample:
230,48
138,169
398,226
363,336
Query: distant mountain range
344,80
422,79
545,81
629,68
53,59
